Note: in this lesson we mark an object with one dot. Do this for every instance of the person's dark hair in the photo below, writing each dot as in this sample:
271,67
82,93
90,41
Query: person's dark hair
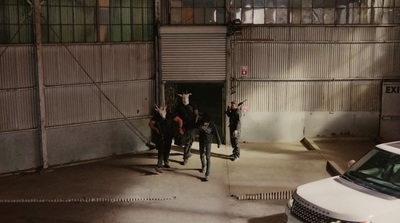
206,117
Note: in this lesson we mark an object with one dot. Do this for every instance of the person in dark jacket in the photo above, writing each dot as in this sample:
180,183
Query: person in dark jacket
162,124
189,113
234,114
207,131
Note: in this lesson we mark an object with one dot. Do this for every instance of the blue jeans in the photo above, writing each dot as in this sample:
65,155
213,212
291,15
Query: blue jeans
235,143
163,151
189,135
205,148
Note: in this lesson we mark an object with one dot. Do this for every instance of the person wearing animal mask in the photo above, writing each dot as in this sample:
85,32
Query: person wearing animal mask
162,124
189,113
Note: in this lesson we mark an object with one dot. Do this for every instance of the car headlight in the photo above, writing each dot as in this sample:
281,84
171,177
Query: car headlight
290,203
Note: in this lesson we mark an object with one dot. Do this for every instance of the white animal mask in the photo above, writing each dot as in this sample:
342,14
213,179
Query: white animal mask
185,98
162,111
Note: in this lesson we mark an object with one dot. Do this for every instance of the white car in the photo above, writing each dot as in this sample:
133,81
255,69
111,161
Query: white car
368,192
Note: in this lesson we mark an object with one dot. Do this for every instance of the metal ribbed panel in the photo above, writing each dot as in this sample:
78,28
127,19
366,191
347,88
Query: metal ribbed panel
79,104
16,67
102,62
361,63
383,60
127,62
18,110
396,58
341,33
291,61
266,33
340,96
309,61
193,53
312,34
365,95
307,96
289,96
337,61
193,57
133,99
269,60
364,34
60,67
72,104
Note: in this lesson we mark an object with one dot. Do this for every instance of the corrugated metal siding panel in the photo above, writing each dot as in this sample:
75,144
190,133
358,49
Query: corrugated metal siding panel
290,61
17,67
72,104
61,68
289,96
18,110
272,33
270,60
102,63
338,61
361,63
262,96
342,33
382,60
199,57
307,96
396,58
80,104
340,96
319,33
365,95
127,62
133,99
309,60
364,34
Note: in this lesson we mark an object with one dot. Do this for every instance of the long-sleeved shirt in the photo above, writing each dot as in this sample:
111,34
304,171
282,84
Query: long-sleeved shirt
207,131
234,119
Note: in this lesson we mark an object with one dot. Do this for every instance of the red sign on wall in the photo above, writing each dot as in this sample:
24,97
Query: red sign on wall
245,108
243,70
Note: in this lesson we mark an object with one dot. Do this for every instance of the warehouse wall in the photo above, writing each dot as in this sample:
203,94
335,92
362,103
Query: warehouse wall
81,123
312,81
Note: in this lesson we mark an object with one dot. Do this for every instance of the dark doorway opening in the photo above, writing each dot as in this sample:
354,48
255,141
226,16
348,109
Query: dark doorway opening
209,97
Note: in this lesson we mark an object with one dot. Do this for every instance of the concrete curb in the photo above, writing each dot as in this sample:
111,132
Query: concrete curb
332,168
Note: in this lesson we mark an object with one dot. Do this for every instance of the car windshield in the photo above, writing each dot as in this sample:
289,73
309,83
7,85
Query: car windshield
378,170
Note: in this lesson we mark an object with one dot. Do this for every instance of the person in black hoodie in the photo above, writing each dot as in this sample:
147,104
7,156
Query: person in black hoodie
207,131
162,124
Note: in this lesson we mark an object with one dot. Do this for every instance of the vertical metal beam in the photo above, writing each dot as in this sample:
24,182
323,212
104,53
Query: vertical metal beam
40,83
157,50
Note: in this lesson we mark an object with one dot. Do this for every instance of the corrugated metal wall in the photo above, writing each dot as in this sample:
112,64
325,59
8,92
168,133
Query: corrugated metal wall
315,68
18,99
123,75
310,96
124,72
309,81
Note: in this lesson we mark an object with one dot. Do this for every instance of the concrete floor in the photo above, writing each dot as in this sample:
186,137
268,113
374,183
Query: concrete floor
127,189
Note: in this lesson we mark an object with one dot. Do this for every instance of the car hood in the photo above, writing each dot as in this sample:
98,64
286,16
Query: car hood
341,199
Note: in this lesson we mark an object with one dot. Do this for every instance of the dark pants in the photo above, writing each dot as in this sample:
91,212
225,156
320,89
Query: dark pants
164,148
205,147
235,143
189,135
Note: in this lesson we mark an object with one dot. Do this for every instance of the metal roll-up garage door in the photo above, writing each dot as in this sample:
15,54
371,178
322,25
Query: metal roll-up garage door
192,54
